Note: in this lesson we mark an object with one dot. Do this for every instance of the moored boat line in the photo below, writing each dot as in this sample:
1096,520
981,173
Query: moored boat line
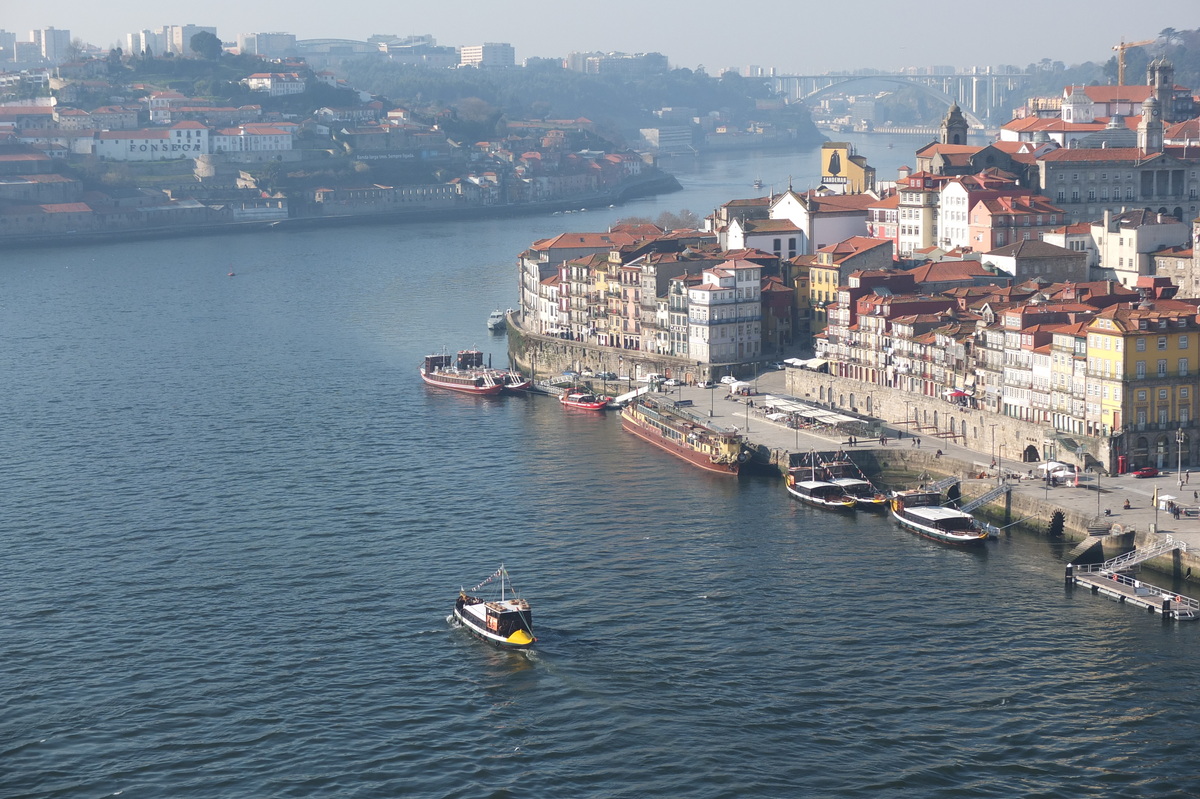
818,493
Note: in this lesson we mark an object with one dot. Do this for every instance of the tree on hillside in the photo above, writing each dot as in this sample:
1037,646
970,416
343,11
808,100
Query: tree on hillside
206,45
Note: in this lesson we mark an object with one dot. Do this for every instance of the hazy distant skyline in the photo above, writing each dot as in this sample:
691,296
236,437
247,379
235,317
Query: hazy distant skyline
790,36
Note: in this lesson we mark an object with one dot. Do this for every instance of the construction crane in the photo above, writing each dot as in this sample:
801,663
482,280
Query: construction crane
1121,48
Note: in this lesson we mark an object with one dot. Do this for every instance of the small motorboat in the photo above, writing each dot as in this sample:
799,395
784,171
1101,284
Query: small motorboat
504,620
584,400
496,320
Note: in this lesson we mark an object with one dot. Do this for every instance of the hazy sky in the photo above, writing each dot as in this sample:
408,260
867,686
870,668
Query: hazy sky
792,35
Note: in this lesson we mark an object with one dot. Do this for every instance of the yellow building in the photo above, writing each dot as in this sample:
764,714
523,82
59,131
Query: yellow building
844,172
1142,381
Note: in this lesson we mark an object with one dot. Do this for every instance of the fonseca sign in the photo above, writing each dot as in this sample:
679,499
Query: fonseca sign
164,148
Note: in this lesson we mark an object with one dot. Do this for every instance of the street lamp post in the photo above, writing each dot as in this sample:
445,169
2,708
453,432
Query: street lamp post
906,404
1179,456
994,464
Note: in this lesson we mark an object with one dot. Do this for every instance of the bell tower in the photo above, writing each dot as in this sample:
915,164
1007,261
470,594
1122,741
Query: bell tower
1150,129
954,126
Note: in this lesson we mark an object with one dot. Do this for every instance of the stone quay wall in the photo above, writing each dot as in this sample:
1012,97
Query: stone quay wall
544,357
1012,442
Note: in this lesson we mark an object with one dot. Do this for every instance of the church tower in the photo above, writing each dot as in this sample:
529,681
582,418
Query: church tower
1150,129
1160,76
954,126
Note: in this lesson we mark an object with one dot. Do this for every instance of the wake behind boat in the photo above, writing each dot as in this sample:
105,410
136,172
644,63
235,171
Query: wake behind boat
504,620
921,512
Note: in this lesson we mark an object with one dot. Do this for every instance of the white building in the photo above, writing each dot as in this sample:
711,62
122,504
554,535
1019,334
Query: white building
267,45
184,140
489,54
250,139
276,84
1124,242
54,44
179,40
725,314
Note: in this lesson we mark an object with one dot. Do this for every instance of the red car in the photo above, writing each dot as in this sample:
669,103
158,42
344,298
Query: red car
1146,471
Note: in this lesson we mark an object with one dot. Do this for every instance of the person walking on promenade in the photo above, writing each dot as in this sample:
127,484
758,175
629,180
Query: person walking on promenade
918,443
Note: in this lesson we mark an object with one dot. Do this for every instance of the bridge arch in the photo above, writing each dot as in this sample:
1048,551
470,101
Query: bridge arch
840,82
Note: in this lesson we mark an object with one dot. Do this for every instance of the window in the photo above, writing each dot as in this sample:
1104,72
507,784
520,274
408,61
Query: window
1141,395
1183,342
1183,392
1162,342
1162,393
1183,367
1141,368
1141,345
1162,368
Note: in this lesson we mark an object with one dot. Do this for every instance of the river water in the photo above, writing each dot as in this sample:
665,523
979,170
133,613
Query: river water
234,523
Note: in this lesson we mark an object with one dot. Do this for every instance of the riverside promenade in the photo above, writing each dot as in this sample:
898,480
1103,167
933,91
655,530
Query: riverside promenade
1031,499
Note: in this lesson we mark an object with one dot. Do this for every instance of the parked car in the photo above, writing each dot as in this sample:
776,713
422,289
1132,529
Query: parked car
1146,471
706,384
670,381
653,377
606,375
727,379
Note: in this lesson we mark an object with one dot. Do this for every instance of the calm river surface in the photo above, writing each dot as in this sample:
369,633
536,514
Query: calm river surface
234,521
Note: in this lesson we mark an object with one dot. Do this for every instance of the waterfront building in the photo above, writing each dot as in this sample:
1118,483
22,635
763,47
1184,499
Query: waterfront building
1142,364
181,140
725,314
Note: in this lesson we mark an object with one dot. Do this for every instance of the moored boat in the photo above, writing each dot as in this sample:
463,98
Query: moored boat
584,400
514,381
921,512
464,373
496,320
505,620
865,495
819,493
684,436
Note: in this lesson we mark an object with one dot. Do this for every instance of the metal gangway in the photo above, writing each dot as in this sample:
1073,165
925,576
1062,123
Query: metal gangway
943,484
628,396
1131,559
995,493
1110,578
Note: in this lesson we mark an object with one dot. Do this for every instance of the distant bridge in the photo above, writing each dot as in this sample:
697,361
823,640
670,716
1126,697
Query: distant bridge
980,94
